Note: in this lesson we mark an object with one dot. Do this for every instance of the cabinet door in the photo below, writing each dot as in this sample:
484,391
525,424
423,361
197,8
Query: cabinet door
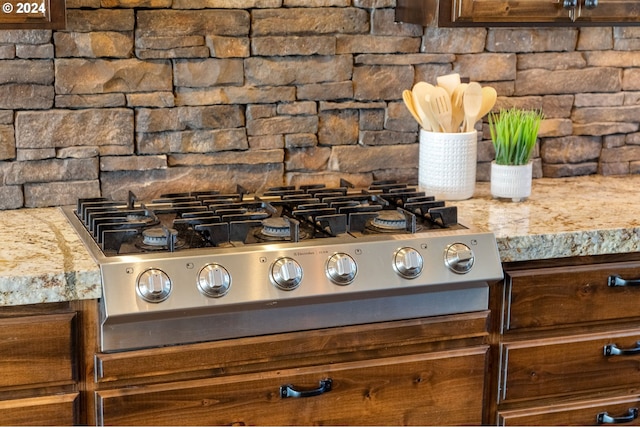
506,11
57,410
565,366
623,410
37,350
614,11
524,12
562,296
425,389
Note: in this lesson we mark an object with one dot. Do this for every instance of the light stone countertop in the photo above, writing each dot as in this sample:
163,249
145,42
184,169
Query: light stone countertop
43,260
590,215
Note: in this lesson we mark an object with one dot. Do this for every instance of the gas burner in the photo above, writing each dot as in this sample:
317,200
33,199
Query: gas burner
159,238
388,221
142,219
278,229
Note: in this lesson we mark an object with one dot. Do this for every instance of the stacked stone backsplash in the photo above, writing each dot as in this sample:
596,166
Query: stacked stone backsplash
159,96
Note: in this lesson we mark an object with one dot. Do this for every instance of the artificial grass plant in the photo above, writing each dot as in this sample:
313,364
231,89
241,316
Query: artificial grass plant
514,133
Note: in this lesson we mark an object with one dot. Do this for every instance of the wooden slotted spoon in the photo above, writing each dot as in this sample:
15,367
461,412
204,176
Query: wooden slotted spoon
421,91
457,110
441,107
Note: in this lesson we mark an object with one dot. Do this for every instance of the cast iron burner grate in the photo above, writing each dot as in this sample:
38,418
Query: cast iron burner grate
181,221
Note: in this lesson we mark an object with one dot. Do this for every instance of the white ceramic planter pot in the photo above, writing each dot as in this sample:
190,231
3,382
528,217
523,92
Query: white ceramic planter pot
511,182
447,165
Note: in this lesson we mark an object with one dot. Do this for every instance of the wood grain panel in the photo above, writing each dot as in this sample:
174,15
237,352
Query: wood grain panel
426,389
575,414
563,296
567,365
296,349
37,350
56,410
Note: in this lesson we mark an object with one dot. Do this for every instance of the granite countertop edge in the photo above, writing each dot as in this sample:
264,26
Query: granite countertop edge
562,218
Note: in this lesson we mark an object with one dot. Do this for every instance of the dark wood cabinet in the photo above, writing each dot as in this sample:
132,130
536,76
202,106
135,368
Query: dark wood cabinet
421,371
585,412
566,344
38,367
497,12
443,388
447,13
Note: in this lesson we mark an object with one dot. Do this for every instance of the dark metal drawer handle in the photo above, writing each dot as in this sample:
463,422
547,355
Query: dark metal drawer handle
605,418
615,280
613,350
289,390
590,4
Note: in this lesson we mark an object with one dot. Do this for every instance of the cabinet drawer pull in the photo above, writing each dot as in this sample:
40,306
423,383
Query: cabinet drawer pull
613,350
615,280
605,418
289,390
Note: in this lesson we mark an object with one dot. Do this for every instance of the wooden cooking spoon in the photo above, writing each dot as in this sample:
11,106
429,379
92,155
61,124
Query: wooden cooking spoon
489,97
472,102
421,95
408,102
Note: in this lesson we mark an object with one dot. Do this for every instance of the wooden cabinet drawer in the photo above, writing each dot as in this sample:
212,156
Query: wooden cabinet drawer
294,349
36,350
549,297
582,413
54,410
567,365
434,388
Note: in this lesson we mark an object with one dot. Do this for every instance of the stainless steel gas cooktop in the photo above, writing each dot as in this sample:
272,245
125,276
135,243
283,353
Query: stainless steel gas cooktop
204,266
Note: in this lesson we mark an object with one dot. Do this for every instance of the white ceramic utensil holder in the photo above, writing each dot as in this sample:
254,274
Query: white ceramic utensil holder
511,182
447,166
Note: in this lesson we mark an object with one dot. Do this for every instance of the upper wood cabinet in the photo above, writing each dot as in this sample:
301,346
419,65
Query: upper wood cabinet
518,12
42,14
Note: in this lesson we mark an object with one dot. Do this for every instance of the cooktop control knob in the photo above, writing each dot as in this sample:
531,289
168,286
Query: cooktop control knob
459,258
408,262
214,280
341,269
286,274
153,285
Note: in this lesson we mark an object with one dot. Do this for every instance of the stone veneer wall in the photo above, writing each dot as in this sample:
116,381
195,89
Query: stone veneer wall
162,96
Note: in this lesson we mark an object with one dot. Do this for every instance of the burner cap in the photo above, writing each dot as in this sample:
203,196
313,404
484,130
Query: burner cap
276,227
155,236
140,218
389,220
